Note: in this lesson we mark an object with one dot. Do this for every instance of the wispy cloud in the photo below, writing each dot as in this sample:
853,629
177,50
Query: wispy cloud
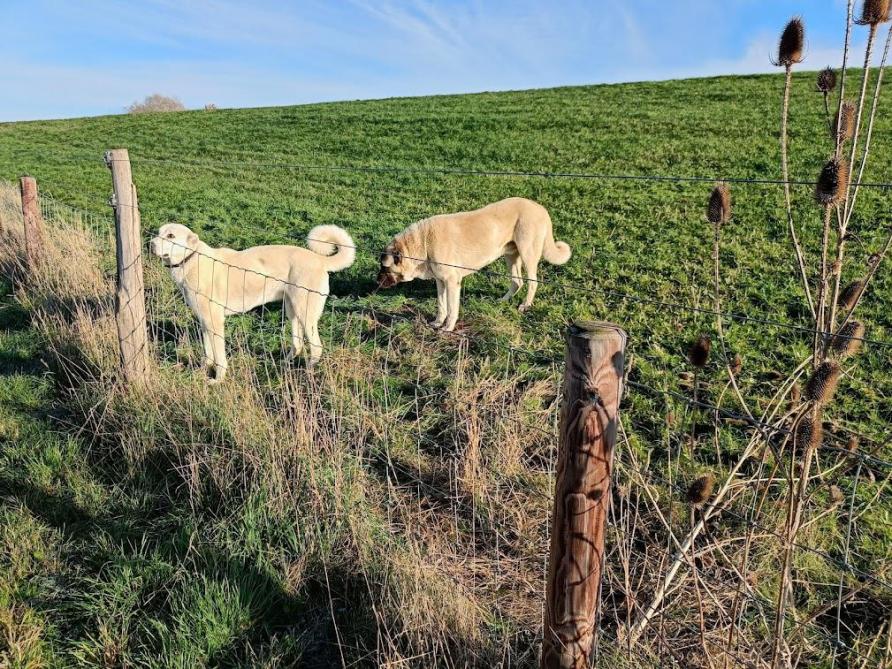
67,59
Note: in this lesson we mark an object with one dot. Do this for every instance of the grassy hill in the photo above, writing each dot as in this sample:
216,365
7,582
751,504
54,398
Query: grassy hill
115,563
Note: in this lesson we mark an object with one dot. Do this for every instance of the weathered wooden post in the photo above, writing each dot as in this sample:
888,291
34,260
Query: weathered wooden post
593,380
33,222
130,305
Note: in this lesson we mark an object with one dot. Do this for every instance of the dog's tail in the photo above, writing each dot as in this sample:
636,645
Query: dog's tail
334,243
557,253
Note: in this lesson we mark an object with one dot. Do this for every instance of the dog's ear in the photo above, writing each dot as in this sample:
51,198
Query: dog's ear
192,240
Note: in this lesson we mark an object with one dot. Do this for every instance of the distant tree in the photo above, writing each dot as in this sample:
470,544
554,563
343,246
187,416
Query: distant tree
210,106
156,103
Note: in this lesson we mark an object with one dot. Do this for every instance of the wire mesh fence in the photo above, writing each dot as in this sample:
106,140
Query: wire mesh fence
457,432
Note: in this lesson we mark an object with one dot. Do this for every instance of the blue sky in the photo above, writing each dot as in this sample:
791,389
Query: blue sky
85,57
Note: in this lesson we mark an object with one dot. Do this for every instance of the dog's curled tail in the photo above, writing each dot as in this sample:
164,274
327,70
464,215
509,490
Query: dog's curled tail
557,253
334,243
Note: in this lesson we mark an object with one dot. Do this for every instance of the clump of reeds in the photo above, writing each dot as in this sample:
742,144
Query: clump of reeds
831,187
718,211
822,384
700,490
848,340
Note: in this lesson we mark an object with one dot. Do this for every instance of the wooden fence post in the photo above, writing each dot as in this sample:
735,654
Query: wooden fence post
130,305
33,222
593,380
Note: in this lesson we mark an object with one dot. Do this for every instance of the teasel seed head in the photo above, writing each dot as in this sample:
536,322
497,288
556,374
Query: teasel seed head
826,80
795,392
852,444
700,490
718,211
850,295
844,125
823,382
831,186
792,41
848,340
836,495
809,432
698,353
874,12
736,364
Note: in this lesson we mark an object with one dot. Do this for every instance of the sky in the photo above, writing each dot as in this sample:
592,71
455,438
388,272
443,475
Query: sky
69,58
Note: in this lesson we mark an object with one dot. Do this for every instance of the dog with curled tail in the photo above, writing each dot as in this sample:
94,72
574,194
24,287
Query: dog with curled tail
449,247
217,282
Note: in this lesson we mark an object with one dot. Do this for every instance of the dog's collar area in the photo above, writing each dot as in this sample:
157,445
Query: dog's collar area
184,260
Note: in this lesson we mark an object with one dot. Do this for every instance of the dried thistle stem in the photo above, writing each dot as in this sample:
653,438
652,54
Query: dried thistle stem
845,59
850,206
821,325
868,52
795,504
867,279
785,171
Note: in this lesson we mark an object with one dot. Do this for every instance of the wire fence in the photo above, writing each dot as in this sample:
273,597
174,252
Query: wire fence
467,447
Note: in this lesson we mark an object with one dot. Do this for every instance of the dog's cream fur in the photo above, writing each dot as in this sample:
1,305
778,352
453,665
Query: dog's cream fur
221,281
449,247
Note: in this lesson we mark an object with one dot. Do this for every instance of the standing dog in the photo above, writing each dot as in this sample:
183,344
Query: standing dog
221,281
449,247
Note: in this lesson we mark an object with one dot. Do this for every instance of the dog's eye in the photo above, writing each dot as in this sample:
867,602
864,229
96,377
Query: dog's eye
383,257
397,258
170,235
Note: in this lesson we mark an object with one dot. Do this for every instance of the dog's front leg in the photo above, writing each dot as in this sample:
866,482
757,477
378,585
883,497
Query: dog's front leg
441,305
208,346
218,344
453,295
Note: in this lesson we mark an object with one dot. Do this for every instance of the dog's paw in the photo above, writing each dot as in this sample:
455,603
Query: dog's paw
436,325
523,308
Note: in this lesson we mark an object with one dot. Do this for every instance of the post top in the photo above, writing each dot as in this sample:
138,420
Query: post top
595,330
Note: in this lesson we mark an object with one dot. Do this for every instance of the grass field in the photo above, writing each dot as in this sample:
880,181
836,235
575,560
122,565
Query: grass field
416,531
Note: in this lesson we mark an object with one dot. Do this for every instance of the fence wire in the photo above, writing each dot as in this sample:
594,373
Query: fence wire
442,474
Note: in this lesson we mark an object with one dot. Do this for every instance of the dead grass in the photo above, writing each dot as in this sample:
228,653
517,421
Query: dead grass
415,496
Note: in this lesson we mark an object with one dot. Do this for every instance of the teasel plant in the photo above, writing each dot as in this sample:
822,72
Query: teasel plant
796,422
790,52
826,83
833,342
